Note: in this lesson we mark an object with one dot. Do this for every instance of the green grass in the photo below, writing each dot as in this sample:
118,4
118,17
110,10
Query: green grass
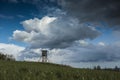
46,71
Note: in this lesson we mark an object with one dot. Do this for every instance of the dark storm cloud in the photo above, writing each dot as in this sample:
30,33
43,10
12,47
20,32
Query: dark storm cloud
93,10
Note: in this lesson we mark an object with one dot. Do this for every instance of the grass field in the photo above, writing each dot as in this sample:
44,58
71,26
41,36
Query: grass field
11,70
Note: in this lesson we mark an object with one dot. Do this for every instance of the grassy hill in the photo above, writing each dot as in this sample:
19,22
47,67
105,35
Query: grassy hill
11,70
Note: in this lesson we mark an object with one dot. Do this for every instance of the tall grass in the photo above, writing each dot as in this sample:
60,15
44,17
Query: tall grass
11,70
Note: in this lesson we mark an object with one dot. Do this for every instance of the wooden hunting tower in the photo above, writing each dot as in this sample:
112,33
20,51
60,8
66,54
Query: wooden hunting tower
44,56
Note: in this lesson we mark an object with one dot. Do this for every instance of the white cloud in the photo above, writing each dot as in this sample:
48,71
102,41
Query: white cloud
37,24
83,43
101,43
53,32
11,49
21,36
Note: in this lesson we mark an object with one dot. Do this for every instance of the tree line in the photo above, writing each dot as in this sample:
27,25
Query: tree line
6,57
116,68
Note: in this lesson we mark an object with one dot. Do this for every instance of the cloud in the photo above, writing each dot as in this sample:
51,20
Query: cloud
101,43
82,42
11,49
93,11
116,34
6,16
75,54
87,54
78,55
54,32
29,55
20,16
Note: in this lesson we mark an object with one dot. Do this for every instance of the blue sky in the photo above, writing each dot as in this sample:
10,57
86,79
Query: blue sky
11,15
63,27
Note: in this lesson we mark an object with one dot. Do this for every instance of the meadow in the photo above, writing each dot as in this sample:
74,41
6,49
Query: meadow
13,70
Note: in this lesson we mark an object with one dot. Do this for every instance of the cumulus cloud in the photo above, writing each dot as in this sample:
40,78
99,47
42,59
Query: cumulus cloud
53,32
11,49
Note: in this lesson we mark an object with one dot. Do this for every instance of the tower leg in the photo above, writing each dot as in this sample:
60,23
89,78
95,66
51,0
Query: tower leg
44,59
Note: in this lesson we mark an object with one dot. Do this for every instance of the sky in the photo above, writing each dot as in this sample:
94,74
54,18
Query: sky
79,33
